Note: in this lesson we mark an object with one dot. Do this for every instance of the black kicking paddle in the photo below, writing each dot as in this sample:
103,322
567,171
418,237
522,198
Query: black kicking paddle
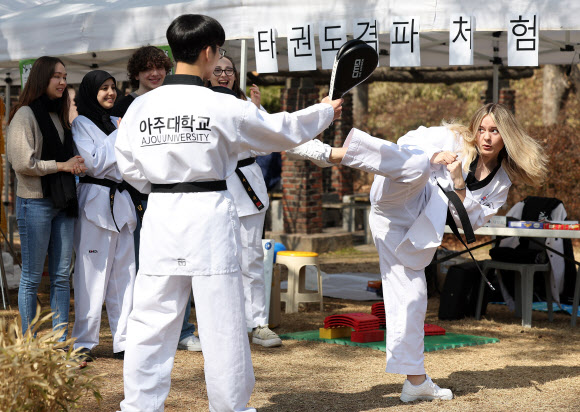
353,64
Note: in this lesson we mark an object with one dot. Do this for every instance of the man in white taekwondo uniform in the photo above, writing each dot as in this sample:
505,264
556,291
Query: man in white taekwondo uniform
180,142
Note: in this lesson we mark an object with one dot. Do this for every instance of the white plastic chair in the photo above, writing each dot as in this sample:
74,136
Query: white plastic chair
524,287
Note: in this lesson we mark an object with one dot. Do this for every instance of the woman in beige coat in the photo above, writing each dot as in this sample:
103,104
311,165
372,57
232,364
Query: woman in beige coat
40,149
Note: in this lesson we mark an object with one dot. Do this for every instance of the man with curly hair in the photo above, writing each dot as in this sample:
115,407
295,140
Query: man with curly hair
146,71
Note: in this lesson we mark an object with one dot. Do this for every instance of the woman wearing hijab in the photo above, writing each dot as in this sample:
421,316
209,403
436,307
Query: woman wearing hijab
103,238
40,149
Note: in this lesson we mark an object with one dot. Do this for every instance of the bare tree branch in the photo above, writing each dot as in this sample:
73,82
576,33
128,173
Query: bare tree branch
401,75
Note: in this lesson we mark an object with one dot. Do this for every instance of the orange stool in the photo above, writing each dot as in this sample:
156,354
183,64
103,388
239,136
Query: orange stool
297,293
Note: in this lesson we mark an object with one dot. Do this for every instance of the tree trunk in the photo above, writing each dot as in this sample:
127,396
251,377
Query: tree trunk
360,104
554,90
575,78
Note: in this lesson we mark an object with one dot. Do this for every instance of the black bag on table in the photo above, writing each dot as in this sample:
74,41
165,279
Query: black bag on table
460,292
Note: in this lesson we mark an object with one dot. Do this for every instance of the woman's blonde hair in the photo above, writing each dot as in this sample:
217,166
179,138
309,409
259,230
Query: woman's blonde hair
525,160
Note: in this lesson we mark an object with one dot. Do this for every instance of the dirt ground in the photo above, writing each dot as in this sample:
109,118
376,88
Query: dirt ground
533,369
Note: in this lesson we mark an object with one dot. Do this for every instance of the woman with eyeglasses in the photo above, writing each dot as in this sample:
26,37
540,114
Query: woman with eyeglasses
252,201
225,74
251,198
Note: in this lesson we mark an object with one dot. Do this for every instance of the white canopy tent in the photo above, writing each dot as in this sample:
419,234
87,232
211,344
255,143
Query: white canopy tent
103,33
86,33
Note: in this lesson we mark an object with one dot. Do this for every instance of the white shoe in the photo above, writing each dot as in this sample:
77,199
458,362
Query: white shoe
427,391
191,343
262,335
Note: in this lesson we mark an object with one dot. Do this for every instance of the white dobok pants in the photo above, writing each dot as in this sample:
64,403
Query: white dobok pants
104,272
153,334
251,228
404,289
405,298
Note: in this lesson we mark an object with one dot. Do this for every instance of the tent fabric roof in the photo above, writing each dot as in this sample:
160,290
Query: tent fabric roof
113,28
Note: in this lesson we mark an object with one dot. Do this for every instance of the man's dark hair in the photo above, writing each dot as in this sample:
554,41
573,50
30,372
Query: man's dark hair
189,34
146,58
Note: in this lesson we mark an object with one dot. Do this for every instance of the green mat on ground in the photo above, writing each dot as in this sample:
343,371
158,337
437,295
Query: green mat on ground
432,343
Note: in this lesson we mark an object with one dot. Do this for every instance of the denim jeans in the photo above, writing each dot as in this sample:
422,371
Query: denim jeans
44,229
187,328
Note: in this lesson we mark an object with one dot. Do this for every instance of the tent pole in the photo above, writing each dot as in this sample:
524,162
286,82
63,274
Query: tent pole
496,63
496,83
243,65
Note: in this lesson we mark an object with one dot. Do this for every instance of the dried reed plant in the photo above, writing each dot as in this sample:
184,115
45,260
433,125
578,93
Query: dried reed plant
40,373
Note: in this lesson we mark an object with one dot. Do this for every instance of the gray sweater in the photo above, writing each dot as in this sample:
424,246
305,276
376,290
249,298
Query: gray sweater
24,143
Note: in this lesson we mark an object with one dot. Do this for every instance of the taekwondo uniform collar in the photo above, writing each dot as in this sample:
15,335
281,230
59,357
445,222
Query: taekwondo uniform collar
186,79
474,184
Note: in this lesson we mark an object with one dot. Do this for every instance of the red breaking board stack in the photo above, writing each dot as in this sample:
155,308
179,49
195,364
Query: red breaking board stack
358,321
433,330
378,309
366,326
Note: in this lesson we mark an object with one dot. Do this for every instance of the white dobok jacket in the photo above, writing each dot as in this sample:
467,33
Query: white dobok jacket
253,173
314,150
98,151
196,135
424,221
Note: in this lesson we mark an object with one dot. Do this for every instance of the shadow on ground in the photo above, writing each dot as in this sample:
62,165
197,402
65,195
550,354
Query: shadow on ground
387,396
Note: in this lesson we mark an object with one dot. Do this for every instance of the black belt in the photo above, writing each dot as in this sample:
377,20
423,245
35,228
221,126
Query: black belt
246,162
467,228
190,187
113,187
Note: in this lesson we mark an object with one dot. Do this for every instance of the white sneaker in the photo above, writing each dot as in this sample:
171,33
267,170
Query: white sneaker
262,335
427,391
191,343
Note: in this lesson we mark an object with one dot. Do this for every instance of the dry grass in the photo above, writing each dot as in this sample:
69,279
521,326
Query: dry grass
529,369
535,369
41,374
